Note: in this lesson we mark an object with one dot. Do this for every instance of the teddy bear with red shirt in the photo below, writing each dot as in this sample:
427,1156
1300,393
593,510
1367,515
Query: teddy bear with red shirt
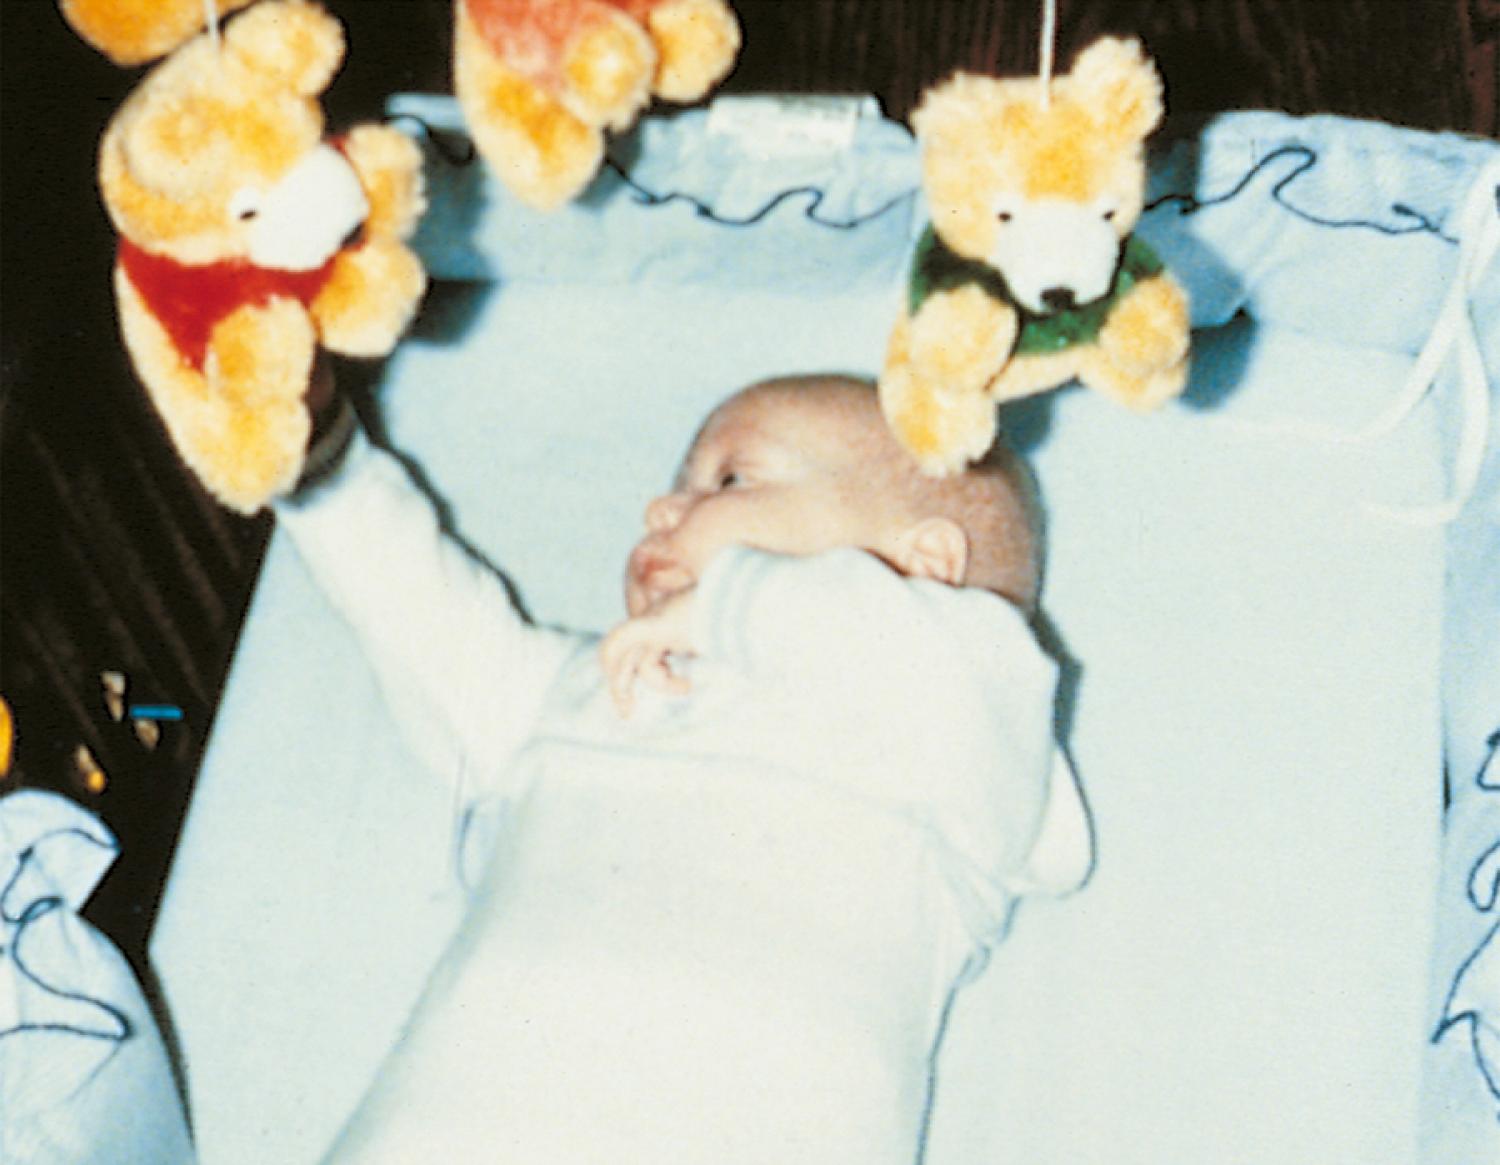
249,241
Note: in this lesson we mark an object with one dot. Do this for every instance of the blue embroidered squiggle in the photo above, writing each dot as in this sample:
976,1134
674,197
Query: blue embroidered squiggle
458,150
815,196
1409,221
78,1014
1488,777
1458,1009
1484,890
1470,997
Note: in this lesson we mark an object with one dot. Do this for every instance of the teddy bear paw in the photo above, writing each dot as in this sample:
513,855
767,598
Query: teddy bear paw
543,153
1140,392
389,165
369,298
960,339
260,355
244,433
696,42
1141,358
607,71
942,430
1148,329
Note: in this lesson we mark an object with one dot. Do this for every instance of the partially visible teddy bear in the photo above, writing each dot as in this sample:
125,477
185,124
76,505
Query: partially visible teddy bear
541,81
1029,276
132,32
247,240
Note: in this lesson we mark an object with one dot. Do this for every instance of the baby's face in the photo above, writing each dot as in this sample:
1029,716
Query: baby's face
772,470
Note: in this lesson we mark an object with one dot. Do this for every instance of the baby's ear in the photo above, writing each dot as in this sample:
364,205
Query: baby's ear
934,548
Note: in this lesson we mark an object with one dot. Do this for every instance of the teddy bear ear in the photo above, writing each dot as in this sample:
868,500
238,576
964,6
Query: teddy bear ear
130,32
954,109
294,42
1114,77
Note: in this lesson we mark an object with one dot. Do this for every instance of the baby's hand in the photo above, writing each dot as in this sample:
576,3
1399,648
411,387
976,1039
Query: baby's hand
638,649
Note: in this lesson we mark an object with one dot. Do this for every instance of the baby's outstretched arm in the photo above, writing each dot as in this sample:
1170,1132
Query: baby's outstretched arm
462,672
640,649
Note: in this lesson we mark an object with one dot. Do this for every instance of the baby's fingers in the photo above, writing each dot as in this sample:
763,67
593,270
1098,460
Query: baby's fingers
621,656
630,653
658,672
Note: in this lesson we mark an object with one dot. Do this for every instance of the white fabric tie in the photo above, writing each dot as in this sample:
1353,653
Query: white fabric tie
1453,334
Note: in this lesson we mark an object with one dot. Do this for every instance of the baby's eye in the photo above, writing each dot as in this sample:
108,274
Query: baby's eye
729,478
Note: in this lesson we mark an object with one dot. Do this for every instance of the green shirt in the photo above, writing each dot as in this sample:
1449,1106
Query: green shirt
937,268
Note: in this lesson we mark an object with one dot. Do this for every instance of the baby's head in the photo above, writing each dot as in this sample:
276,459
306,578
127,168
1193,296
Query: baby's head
806,464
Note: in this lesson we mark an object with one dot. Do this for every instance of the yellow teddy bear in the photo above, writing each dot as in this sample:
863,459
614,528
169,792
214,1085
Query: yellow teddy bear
247,241
540,81
1029,276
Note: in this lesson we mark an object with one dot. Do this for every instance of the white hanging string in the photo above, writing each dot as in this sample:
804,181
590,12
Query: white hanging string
211,21
1048,47
1453,334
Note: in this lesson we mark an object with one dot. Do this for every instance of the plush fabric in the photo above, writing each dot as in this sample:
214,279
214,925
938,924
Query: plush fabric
1271,673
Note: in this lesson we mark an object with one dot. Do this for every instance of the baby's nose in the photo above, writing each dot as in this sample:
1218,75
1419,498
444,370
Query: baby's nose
663,513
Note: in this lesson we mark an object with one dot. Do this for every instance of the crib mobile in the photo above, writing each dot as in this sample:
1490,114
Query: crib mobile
248,242
1028,276
233,269
235,215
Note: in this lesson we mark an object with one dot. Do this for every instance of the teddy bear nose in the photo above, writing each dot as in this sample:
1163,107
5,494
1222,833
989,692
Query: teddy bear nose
1059,299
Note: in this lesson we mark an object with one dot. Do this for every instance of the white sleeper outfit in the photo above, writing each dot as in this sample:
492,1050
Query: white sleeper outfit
725,929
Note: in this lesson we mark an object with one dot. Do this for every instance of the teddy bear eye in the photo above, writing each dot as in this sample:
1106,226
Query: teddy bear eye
245,204
1109,215
1004,215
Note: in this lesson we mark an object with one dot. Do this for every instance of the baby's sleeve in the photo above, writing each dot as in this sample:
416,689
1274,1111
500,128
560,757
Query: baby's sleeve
463,673
936,697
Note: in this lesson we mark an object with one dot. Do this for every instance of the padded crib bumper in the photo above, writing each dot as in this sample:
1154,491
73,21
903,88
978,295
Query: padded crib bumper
84,1075
1268,673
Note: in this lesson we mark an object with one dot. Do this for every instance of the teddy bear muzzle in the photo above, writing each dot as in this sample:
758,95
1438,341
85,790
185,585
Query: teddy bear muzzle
300,222
1046,278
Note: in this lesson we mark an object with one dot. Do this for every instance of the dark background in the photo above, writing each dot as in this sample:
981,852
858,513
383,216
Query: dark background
111,557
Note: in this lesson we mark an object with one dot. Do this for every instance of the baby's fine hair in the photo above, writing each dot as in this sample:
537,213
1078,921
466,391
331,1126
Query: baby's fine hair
995,500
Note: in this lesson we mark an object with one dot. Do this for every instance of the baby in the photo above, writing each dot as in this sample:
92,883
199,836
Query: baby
751,841
800,466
